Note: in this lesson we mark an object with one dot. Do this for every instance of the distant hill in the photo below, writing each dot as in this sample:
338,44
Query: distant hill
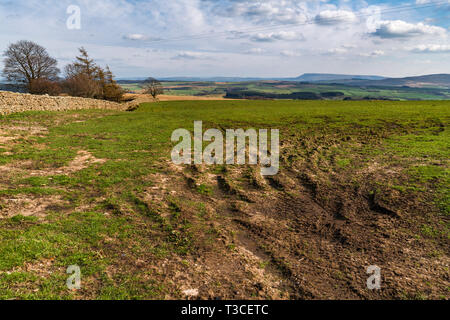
432,80
420,81
193,79
307,77
213,79
426,81
313,77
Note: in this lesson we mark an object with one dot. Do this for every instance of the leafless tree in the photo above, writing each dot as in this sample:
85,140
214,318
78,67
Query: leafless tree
153,87
81,85
26,61
45,86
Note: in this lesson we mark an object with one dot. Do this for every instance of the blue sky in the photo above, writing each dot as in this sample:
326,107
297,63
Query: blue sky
281,38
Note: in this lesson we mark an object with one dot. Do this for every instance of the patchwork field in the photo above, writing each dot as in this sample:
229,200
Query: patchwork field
295,90
360,184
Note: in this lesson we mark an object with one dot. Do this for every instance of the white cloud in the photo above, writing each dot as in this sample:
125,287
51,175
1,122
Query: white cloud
139,37
261,12
373,54
401,29
191,55
135,36
332,17
430,1
431,48
337,51
289,53
276,36
255,51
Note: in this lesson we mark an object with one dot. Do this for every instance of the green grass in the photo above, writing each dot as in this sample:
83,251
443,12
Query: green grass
204,189
135,144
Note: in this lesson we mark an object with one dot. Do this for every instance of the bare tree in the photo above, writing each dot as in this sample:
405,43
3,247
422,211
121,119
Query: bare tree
26,61
45,86
81,85
153,87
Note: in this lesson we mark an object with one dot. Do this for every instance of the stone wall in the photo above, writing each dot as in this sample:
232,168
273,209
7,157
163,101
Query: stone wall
11,102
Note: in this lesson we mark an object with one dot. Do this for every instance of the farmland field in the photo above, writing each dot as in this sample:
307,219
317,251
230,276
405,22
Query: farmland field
361,183
282,90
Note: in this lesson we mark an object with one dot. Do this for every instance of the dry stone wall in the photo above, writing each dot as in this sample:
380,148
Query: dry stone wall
11,102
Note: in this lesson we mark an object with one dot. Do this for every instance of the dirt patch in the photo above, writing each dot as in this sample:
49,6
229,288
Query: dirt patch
9,135
41,268
15,168
83,160
6,139
23,129
188,98
296,236
221,265
28,206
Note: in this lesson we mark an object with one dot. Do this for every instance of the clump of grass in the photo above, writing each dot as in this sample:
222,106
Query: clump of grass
204,189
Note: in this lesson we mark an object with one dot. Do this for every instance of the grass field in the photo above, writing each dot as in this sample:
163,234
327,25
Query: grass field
360,183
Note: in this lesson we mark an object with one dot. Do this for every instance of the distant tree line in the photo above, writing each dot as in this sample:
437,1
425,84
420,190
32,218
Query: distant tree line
258,95
301,95
29,66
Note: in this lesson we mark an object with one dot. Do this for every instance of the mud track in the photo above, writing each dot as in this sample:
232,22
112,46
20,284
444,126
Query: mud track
318,239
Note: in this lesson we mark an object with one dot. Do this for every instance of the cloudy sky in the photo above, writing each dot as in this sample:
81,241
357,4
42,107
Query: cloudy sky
269,38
